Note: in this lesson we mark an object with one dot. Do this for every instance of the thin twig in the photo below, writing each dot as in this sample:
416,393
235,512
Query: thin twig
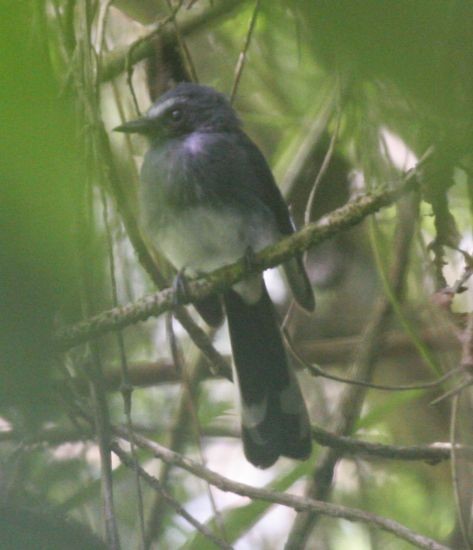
453,392
325,351
302,156
88,95
467,273
467,344
292,501
317,371
101,27
432,454
156,485
102,429
177,436
323,169
242,57
455,474
126,388
115,61
465,336
395,343
348,409
129,70
188,387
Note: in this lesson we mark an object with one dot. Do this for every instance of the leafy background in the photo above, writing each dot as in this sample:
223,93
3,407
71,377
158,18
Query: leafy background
348,95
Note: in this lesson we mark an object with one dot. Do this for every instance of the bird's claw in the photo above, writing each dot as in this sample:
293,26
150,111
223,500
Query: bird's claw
250,258
179,286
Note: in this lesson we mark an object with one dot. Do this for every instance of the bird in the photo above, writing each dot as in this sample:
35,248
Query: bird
208,198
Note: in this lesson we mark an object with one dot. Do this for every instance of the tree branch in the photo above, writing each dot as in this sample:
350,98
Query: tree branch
122,57
291,501
433,453
324,351
156,304
351,401
171,501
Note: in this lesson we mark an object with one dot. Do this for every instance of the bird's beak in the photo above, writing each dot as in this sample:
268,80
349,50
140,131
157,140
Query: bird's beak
138,126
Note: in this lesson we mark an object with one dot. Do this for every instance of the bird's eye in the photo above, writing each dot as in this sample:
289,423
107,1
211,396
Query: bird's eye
176,115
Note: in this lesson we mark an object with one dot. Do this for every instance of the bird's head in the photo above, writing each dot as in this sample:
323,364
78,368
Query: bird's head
185,109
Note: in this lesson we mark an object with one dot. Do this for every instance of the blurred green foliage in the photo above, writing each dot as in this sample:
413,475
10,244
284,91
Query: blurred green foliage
361,66
40,173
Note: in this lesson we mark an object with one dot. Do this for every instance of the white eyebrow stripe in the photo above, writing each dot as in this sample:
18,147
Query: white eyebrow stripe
157,110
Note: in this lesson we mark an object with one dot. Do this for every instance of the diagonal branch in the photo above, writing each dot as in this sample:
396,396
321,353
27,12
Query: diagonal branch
156,304
351,401
172,502
291,501
117,61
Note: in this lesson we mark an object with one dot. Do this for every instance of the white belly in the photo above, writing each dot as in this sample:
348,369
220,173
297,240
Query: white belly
202,240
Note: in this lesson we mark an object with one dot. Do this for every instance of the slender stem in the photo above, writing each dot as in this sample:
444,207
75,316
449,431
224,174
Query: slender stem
242,57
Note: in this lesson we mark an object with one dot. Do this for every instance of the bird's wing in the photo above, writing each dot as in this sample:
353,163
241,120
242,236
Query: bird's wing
264,185
240,170
267,190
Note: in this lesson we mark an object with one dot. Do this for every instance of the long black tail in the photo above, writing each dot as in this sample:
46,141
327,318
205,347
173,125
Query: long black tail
273,413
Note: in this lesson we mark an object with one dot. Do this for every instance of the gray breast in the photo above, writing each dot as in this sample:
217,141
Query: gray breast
194,231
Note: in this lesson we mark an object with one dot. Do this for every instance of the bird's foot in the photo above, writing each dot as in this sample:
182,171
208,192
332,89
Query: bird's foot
180,288
250,259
